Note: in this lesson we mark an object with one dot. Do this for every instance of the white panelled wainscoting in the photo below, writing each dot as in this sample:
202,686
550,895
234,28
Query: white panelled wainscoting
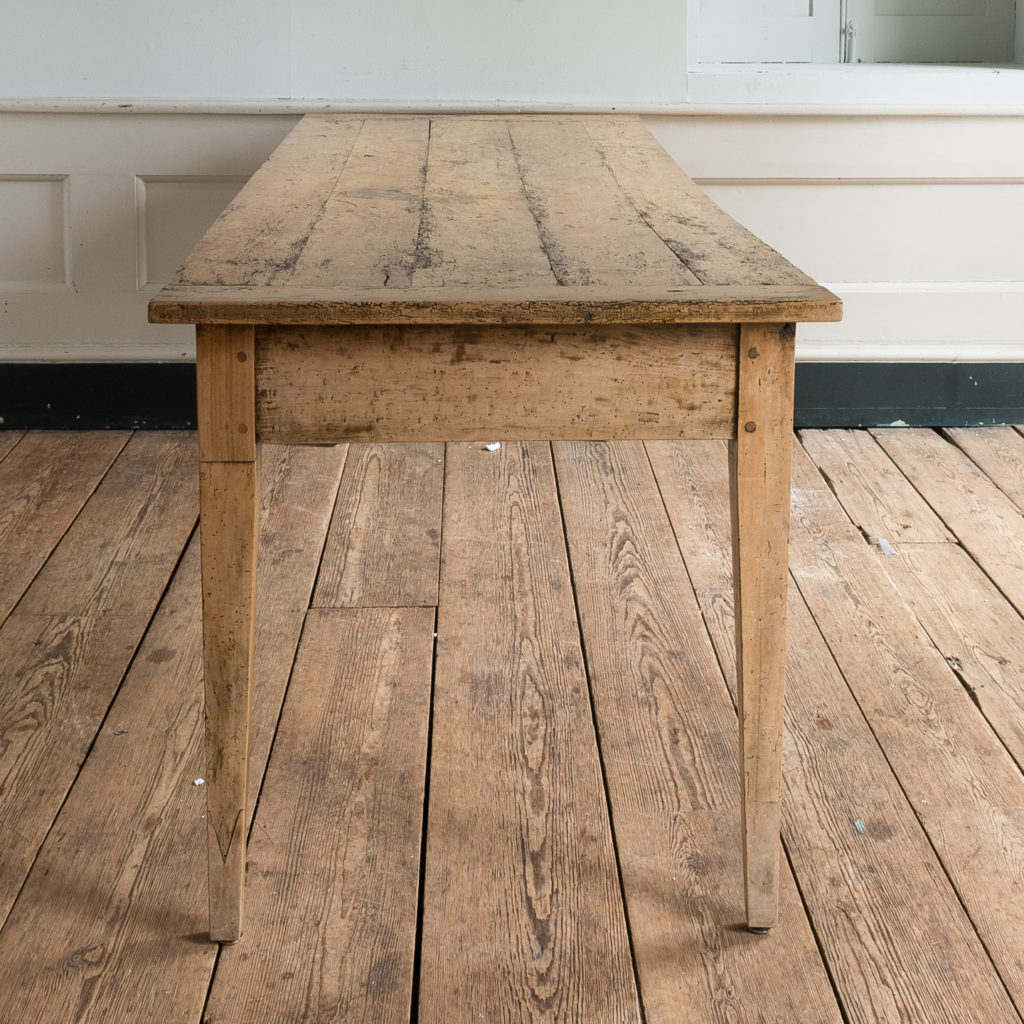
913,219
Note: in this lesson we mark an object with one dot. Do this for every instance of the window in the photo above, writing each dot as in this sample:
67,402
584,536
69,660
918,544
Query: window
852,31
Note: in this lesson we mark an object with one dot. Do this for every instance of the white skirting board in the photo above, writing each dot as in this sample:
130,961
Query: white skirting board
914,220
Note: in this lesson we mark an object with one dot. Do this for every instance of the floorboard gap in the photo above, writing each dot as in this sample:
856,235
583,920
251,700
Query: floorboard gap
597,736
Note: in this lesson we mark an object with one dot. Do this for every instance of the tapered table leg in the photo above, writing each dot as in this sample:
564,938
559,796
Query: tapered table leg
760,464
229,526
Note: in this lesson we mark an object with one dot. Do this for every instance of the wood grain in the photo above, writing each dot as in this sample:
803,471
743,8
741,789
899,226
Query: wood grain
112,921
375,207
759,469
897,941
964,786
977,631
544,219
229,525
8,440
713,247
384,548
474,168
225,388
988,524
522,917
999,452
513,383
259,238
874,493
479,304
67,646
335,854
669,742
44,482
591,233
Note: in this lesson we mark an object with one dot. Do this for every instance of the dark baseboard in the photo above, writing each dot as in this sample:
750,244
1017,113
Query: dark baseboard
98,396
914,394
157,396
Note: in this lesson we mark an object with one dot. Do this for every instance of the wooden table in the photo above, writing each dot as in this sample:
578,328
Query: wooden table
408,278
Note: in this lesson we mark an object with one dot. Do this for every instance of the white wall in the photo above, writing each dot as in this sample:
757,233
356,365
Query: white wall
912,217
571,51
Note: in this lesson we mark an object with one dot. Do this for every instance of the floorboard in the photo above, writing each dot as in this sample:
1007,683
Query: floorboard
44,482
523,917
897,942
668,740
494,766
110,923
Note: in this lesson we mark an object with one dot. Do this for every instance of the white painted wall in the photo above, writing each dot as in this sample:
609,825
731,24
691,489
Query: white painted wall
913,217
570,51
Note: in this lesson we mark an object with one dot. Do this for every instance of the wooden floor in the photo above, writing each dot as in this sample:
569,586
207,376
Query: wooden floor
495,772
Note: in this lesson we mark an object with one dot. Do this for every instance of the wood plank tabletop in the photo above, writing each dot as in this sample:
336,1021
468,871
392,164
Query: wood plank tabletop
481,219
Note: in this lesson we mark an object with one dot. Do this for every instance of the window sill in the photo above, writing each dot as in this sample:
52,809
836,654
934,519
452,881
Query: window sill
896,88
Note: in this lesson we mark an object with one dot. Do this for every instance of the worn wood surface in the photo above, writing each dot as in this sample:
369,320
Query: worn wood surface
65,649
759,467
463,383
988,524
999,452
522,913
900,817
225,387
668,742
229,509
876,496
8,439
337,937
45,479
850,834
384,548
965,788
480,219
112,921
977,631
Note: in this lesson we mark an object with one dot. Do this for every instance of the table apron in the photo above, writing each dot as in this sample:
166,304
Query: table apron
328,384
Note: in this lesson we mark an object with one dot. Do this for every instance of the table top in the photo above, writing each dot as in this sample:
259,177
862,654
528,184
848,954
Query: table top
463,219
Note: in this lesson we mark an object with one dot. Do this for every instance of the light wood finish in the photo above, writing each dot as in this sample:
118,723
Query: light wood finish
554,305
228,504
44,481
229,533
978,632
8,439
668,740
961,781
425,279
467,219
384,546
117,889
877,894
759,473
903,861
999,451
521,895
225,380
874,493
987,522
75,630
361,705
514,383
